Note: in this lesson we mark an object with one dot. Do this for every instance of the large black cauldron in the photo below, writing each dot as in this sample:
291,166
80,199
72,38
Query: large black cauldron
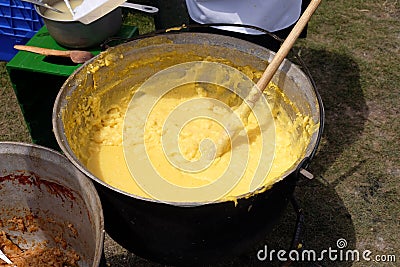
184,233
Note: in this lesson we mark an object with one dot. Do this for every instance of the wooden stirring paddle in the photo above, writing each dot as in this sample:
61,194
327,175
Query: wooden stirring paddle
245,108
75,55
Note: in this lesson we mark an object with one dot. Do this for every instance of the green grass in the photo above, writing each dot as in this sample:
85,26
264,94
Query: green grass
12,125
353,53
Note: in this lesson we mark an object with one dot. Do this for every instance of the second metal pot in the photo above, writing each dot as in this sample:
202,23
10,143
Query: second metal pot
74,34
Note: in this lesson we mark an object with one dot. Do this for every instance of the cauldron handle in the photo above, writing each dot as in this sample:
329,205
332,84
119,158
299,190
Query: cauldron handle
302,169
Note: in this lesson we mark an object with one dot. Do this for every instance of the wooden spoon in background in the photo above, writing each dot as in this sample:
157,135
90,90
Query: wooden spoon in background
245,108
75,55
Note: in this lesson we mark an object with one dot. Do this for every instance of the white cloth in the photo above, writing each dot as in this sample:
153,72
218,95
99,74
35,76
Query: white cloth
271,15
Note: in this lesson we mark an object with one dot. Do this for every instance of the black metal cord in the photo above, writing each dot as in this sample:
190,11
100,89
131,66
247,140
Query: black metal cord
297,242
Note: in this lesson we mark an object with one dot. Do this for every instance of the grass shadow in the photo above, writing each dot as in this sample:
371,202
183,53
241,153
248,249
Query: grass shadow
338,81
326,217
326,220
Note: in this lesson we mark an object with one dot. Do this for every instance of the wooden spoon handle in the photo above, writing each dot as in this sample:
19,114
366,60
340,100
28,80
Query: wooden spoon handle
244,110
255,93
287,45
43,51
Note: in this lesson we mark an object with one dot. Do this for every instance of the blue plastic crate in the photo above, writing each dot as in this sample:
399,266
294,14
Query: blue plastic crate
19,21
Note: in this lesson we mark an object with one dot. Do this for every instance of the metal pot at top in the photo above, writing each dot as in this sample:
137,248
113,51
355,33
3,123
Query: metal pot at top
74,34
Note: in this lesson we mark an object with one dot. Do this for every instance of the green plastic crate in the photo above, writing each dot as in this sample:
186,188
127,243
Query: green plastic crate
37,79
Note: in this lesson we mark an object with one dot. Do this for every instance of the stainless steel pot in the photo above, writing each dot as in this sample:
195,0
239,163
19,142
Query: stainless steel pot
74,34
39,182
181,233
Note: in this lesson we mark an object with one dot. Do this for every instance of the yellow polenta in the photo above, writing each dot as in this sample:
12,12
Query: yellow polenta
285,136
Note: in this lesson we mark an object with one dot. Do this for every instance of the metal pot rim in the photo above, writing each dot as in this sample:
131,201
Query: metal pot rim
58,130
44,153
